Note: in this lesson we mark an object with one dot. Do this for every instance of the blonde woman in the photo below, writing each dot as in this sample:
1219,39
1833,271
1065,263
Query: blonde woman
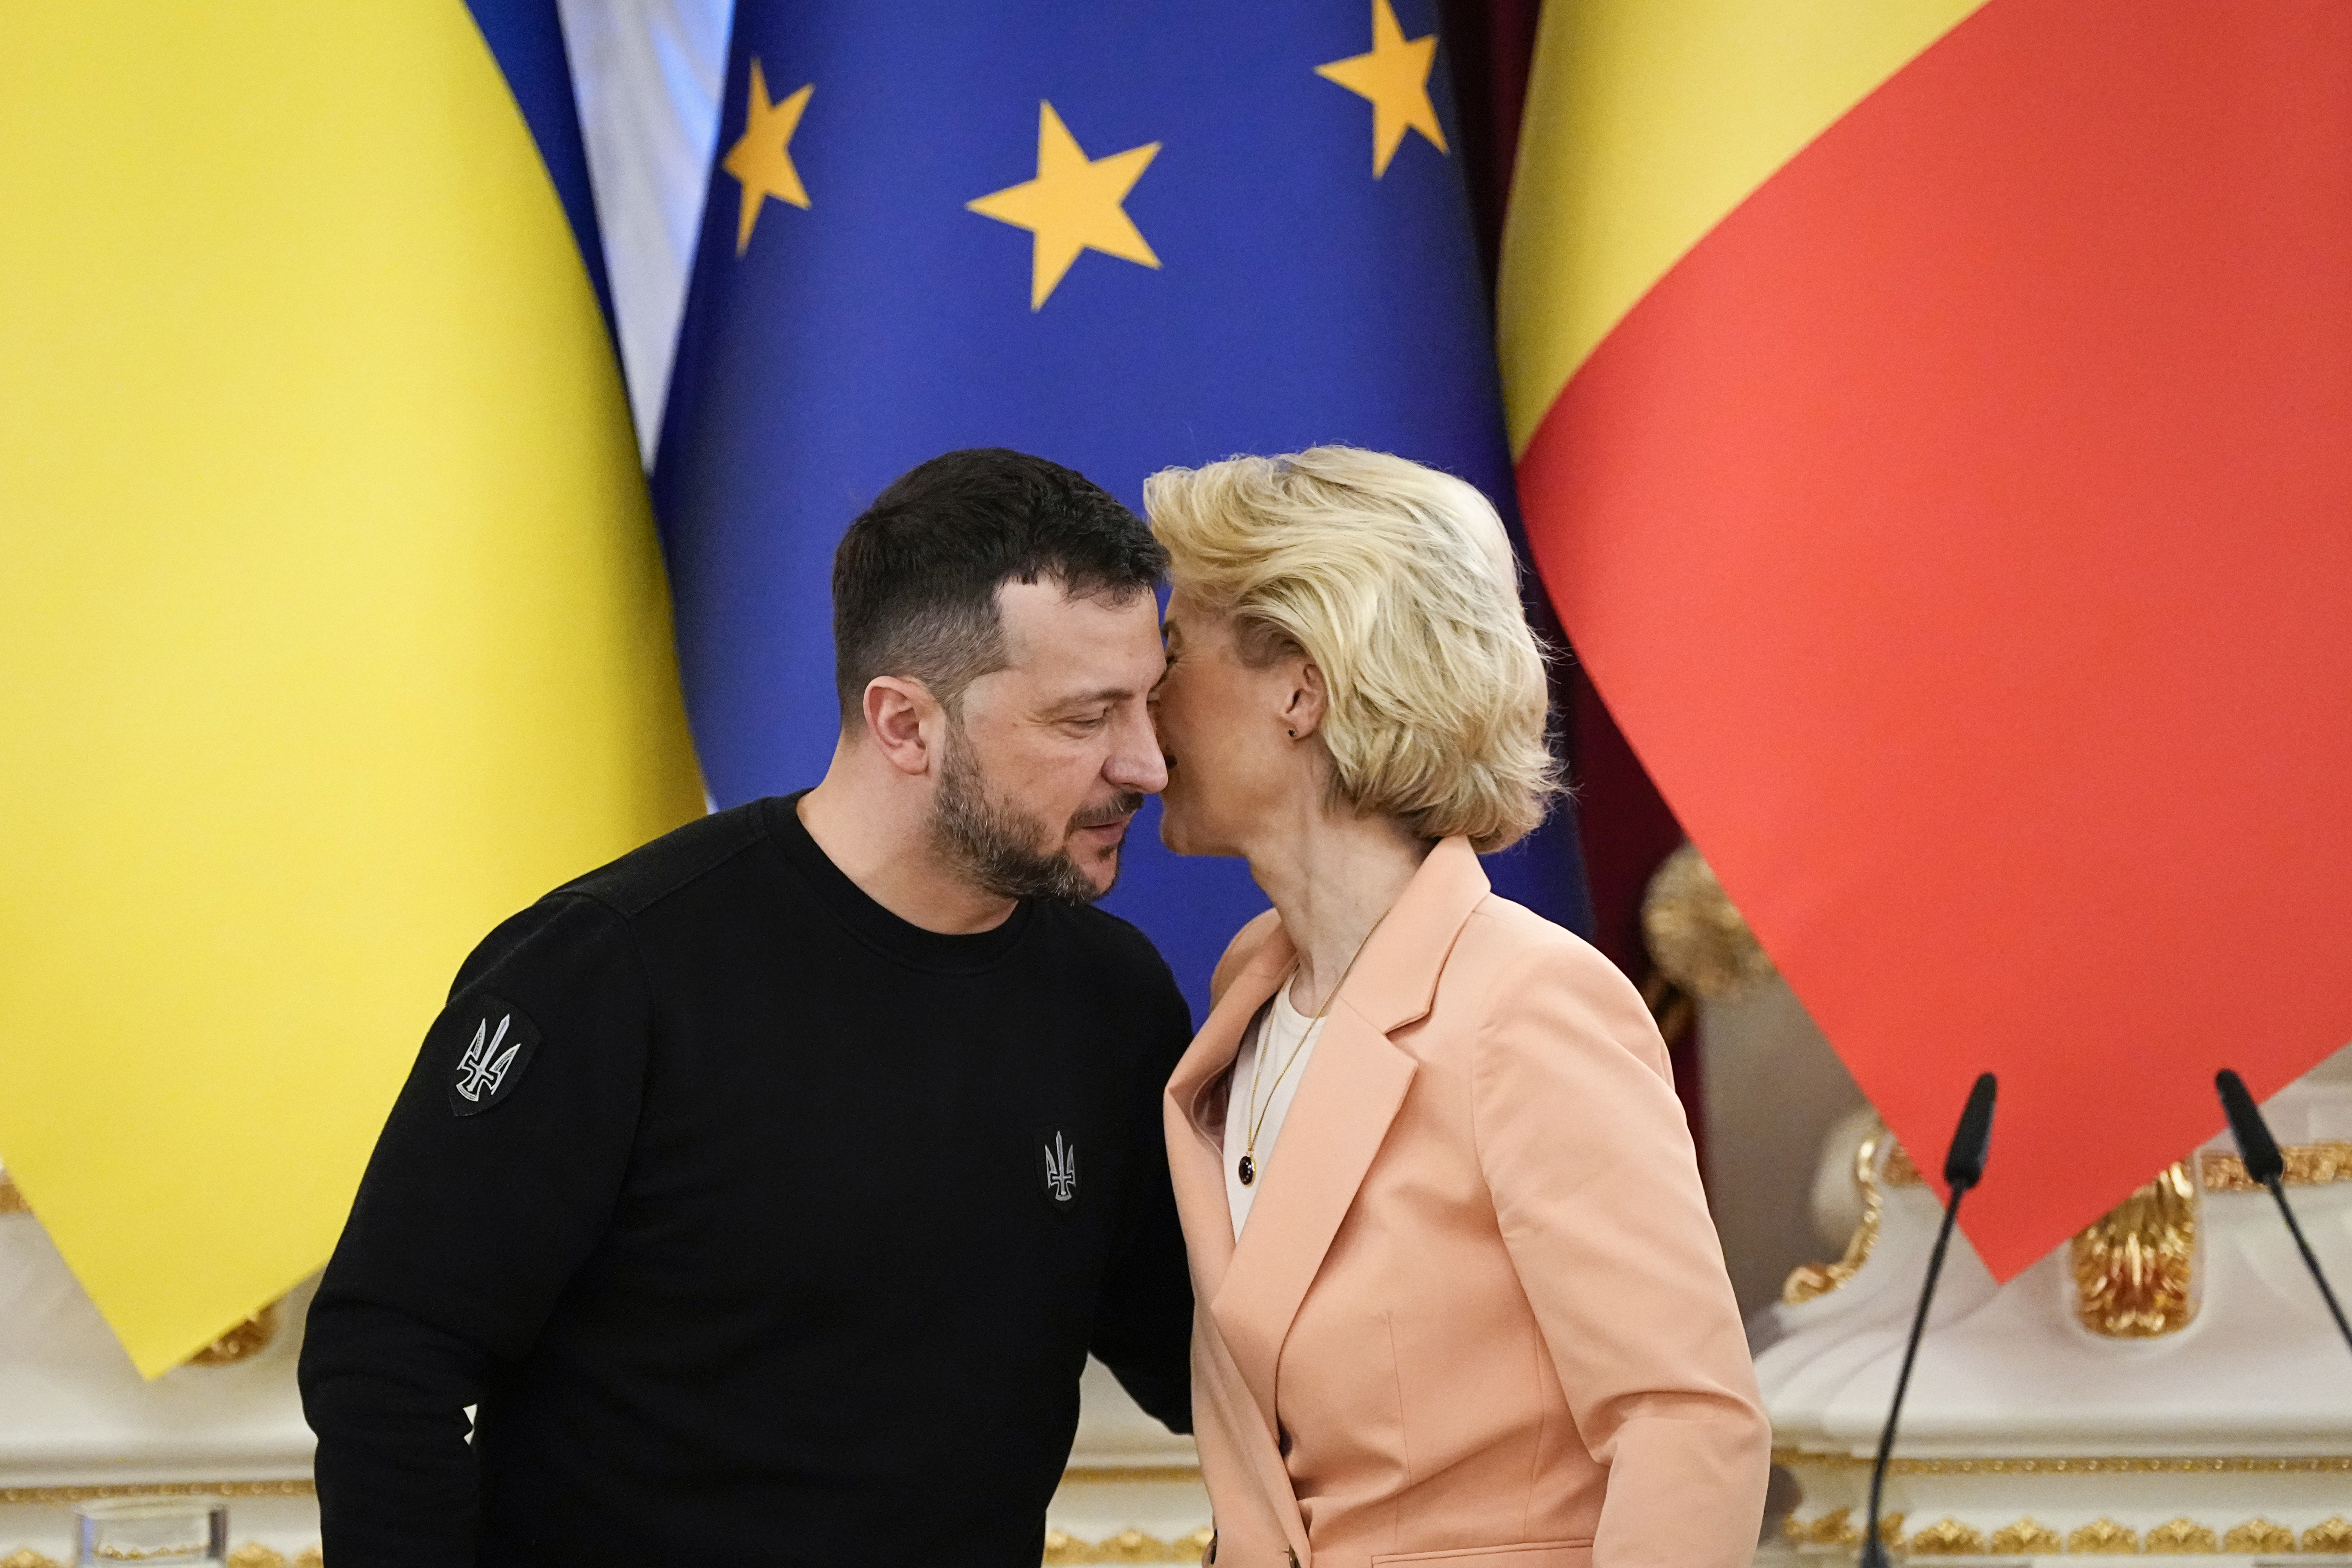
1460,1299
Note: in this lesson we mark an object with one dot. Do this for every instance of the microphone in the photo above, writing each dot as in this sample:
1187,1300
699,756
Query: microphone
1963,1165
2265,1164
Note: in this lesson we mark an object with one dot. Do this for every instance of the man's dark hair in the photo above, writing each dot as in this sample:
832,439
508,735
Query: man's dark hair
915,578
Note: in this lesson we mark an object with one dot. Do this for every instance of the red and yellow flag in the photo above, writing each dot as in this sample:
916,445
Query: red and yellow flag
1934,423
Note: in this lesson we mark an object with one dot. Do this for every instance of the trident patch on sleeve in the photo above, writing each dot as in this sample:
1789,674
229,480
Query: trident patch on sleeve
499,1047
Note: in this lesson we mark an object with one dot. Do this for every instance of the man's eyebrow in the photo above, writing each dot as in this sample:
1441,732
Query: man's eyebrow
1088,698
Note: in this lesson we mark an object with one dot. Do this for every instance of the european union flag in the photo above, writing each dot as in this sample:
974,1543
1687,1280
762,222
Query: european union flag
1119,236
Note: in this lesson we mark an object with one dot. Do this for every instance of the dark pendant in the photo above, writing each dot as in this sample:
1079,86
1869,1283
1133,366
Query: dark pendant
1247,1172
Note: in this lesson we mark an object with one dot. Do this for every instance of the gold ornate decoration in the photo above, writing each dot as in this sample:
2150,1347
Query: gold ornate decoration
18,1496
243,1343
1067,1550
2259,1535
1835,1527
2329,1535
11,1200
2133,1268
253,1555
1136,1473
1948,1537
2308,1165
1809,1281
1695,937
1838,1528
147,1554
2104,1538
2072,1465
2179,1537
2026,1537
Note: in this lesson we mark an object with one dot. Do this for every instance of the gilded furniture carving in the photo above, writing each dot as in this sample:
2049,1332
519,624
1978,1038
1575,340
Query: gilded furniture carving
1813,1280
2134,1269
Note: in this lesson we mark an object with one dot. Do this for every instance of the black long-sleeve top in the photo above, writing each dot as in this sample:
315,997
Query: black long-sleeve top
761,1226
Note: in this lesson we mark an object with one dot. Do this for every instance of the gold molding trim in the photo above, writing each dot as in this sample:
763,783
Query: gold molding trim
1136,1473
19,1495
1066,1551
2134,1266
2308,1165
2259,1534
1838,1528
252,1554
2026,1537
2329,1535
2074,1464
2179,1537
1948,1537
2104,1538
1810,1281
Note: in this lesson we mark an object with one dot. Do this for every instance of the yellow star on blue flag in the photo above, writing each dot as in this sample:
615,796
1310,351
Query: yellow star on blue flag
1184,260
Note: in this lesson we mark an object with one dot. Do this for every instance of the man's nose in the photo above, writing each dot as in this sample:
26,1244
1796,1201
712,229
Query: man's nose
1136,761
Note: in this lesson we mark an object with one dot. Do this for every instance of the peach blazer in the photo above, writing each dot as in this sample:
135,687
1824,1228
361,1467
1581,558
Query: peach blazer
1478,1317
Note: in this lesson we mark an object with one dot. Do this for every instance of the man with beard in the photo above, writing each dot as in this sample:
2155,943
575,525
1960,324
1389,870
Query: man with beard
767,1189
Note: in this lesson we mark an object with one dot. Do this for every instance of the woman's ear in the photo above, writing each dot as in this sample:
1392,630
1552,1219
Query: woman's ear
1302,715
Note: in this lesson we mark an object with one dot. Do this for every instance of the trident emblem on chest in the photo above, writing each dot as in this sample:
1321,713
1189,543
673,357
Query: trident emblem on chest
1061,1170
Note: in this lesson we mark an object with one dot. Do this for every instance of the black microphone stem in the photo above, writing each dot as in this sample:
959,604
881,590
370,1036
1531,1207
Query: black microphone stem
1874,1552
2260,1152
2320,1276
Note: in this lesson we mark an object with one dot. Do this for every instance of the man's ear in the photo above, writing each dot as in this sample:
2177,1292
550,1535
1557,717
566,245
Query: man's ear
1302,714
899,717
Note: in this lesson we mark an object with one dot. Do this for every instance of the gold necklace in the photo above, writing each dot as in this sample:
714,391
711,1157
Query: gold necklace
1247,1169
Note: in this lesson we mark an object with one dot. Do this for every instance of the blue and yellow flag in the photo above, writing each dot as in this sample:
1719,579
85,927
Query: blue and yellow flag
1117,236
332,624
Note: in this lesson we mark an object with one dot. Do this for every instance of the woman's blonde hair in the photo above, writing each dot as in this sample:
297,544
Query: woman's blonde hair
1398,582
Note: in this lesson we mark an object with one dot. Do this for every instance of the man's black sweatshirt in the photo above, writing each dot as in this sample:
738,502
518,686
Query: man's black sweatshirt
761,1224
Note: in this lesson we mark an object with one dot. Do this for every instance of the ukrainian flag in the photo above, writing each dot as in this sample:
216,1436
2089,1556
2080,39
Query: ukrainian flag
332,622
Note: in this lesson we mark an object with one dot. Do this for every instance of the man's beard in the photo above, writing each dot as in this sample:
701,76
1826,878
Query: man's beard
995,845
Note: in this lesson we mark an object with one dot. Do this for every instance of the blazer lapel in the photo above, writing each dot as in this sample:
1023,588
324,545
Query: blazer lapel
1196,1163
1196,1160
1356,1082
